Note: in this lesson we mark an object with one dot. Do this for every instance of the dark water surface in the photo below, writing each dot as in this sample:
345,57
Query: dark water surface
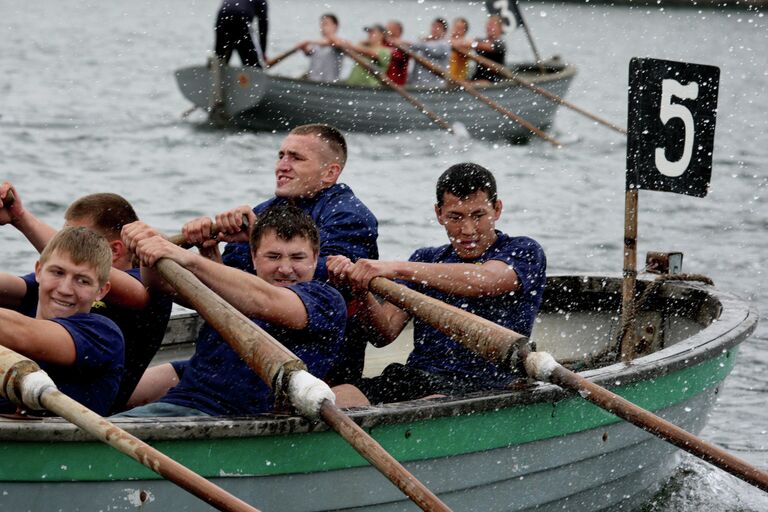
88,103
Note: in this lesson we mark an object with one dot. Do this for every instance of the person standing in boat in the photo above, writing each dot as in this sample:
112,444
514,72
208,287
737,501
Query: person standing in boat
140,315
307,316
492,47
434,47
51,321
397,71
373,49
324,58
482,270
233,31
309,165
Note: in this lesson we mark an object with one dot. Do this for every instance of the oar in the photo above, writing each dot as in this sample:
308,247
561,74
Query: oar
26,385
470,89
281,370
385,80
276,60
507,73
509,349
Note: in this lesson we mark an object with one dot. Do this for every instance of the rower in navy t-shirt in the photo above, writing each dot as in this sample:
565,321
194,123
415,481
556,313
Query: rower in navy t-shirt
51,322
307,316
482,270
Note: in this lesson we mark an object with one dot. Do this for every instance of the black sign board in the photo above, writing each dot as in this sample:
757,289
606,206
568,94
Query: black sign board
671,128
507,9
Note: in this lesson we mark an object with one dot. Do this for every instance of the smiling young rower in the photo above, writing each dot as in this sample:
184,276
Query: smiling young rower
51,322
305,315
482,270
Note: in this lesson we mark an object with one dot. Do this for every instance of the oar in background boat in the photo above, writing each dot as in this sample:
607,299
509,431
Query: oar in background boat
281,370
470,89
508,73
510,349
281,57
25,384
386,81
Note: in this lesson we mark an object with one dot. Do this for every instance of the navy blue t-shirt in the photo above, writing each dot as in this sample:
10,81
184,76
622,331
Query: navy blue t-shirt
143,330
347,227
95,376
217,382
435,352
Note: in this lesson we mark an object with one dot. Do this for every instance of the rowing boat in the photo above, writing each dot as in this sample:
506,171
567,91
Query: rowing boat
256,100
531,447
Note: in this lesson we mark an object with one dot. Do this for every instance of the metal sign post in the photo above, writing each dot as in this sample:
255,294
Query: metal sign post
670,138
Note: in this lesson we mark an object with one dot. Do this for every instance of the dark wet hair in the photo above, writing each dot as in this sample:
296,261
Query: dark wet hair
331,17
108,212
287,221
328,134
441,21
463,180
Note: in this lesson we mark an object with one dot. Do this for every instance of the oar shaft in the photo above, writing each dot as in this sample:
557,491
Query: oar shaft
276,60
507,73
270,360
470,89
180,240
385,80
660,427
122,441
477,334
14,372
380,459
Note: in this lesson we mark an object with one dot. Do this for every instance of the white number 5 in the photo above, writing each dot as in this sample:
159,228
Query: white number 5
669,110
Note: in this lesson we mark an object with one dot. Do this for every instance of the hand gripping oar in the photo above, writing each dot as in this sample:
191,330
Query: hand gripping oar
180,240
507,73
385,80
470,89
285,374
26,385
509,349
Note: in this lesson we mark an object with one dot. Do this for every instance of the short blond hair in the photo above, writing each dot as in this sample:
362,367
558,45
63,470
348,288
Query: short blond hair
82,245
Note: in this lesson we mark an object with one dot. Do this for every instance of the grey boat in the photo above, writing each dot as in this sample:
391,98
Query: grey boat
254,99
532,447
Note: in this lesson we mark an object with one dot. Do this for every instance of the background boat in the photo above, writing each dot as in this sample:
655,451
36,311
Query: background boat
533,447
258,100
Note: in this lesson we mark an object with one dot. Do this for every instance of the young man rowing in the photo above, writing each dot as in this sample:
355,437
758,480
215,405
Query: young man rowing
305,315
482,270
46,317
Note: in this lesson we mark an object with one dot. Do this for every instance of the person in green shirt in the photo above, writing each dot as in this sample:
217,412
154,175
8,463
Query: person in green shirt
373,49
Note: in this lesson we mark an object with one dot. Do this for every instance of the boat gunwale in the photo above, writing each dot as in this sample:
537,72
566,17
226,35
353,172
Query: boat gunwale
735,323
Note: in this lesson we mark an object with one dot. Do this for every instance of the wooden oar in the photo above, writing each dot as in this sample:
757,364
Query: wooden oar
276,60
508,73
508,348
386,81
275,365
470,89
26,385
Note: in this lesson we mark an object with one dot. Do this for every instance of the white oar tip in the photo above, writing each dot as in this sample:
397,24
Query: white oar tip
32,388
540,365
307,393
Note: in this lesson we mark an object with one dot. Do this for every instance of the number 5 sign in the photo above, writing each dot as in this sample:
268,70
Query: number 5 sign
671,129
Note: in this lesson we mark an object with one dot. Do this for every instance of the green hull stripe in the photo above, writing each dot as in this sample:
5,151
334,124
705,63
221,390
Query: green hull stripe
324,451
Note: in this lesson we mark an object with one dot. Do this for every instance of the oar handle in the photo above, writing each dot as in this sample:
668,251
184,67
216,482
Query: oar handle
180,240
385,80
19,386
498,345
472,91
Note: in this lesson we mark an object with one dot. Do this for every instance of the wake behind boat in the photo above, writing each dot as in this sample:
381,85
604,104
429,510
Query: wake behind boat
254,99
532,447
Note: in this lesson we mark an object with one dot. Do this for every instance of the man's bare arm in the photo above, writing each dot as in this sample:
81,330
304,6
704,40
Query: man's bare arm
41,340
